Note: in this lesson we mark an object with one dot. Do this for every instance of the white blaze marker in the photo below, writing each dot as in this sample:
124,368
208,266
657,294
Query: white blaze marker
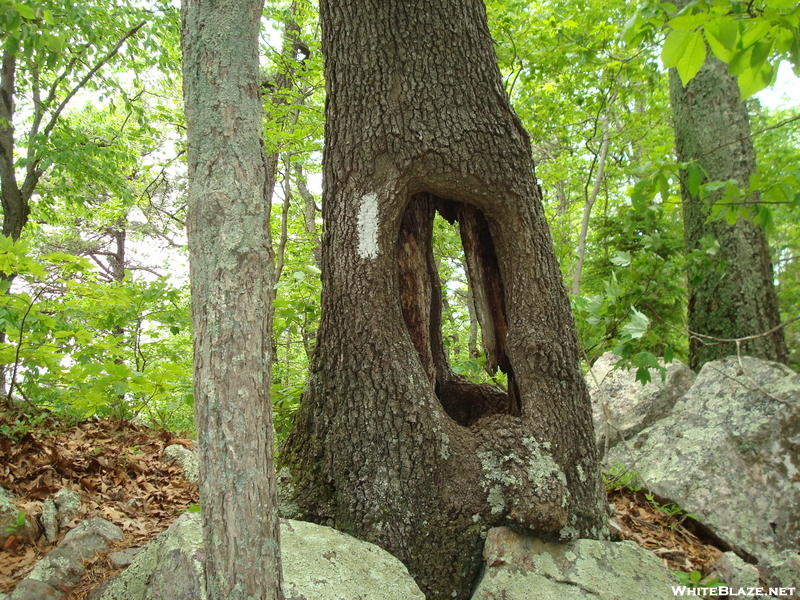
368,226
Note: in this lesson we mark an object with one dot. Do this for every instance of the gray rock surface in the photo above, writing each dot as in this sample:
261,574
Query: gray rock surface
62,568
734,572
730,453
124,557
9,513
89,537
783,572
68,504
632,406
186,458
319,563
49,519
520,567
32,589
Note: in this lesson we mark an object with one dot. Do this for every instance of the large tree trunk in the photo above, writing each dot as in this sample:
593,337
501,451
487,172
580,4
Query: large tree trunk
232,289
712,128
388,443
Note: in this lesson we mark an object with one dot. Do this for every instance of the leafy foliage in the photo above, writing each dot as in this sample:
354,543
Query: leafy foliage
752,38
95,309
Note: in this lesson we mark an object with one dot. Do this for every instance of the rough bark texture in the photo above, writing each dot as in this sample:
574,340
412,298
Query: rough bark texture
16,206
232,278
712,128
388,444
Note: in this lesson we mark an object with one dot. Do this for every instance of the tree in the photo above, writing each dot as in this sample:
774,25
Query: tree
388,443
50,54
232,274
737,299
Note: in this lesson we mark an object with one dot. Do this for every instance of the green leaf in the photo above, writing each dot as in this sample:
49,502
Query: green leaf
755,32
632,29
740,61
663,184
752,81
693,180
621,259
761,51
668,354
693,57
674,47
26,12
722,34
643,375
689,22
637,326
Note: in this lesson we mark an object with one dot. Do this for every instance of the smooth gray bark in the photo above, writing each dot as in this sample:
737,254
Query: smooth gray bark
232,275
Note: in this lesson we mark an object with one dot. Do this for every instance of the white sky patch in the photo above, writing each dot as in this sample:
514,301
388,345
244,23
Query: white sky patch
785,92
368,226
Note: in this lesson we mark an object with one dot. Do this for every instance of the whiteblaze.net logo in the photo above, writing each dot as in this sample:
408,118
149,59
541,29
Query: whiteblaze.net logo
722,590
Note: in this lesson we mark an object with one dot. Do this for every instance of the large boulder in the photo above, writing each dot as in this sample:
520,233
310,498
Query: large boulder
730,454
319,563
631,405
13,521
521,567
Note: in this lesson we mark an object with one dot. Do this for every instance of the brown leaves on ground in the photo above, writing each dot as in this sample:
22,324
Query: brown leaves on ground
670,537
117,468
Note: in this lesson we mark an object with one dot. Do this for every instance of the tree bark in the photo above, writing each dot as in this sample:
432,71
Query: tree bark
712,128
388,443
232,274
16,206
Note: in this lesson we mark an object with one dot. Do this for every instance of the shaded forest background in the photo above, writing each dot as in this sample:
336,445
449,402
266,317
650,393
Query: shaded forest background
95,310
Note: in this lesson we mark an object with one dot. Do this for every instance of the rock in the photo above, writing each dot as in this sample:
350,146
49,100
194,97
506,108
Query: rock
734,572
730,454
286,507
124,557
90,537
5,494
32,589
49,520
784,572
60,569
517,565
319,563
68,504
632,407
187,460
10,523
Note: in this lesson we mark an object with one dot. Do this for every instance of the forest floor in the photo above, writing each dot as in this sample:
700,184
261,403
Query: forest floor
118,469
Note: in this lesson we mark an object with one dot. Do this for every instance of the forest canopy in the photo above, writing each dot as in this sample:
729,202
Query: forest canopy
95,302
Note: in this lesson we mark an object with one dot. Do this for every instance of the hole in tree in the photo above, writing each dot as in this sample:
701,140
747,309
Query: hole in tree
426,306
461,331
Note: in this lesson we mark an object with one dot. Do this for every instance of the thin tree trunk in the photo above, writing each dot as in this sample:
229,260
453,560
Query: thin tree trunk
287,202
388,443
587,209
232,273
737,300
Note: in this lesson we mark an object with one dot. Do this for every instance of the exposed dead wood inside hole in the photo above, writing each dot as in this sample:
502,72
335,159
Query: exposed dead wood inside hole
421,302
